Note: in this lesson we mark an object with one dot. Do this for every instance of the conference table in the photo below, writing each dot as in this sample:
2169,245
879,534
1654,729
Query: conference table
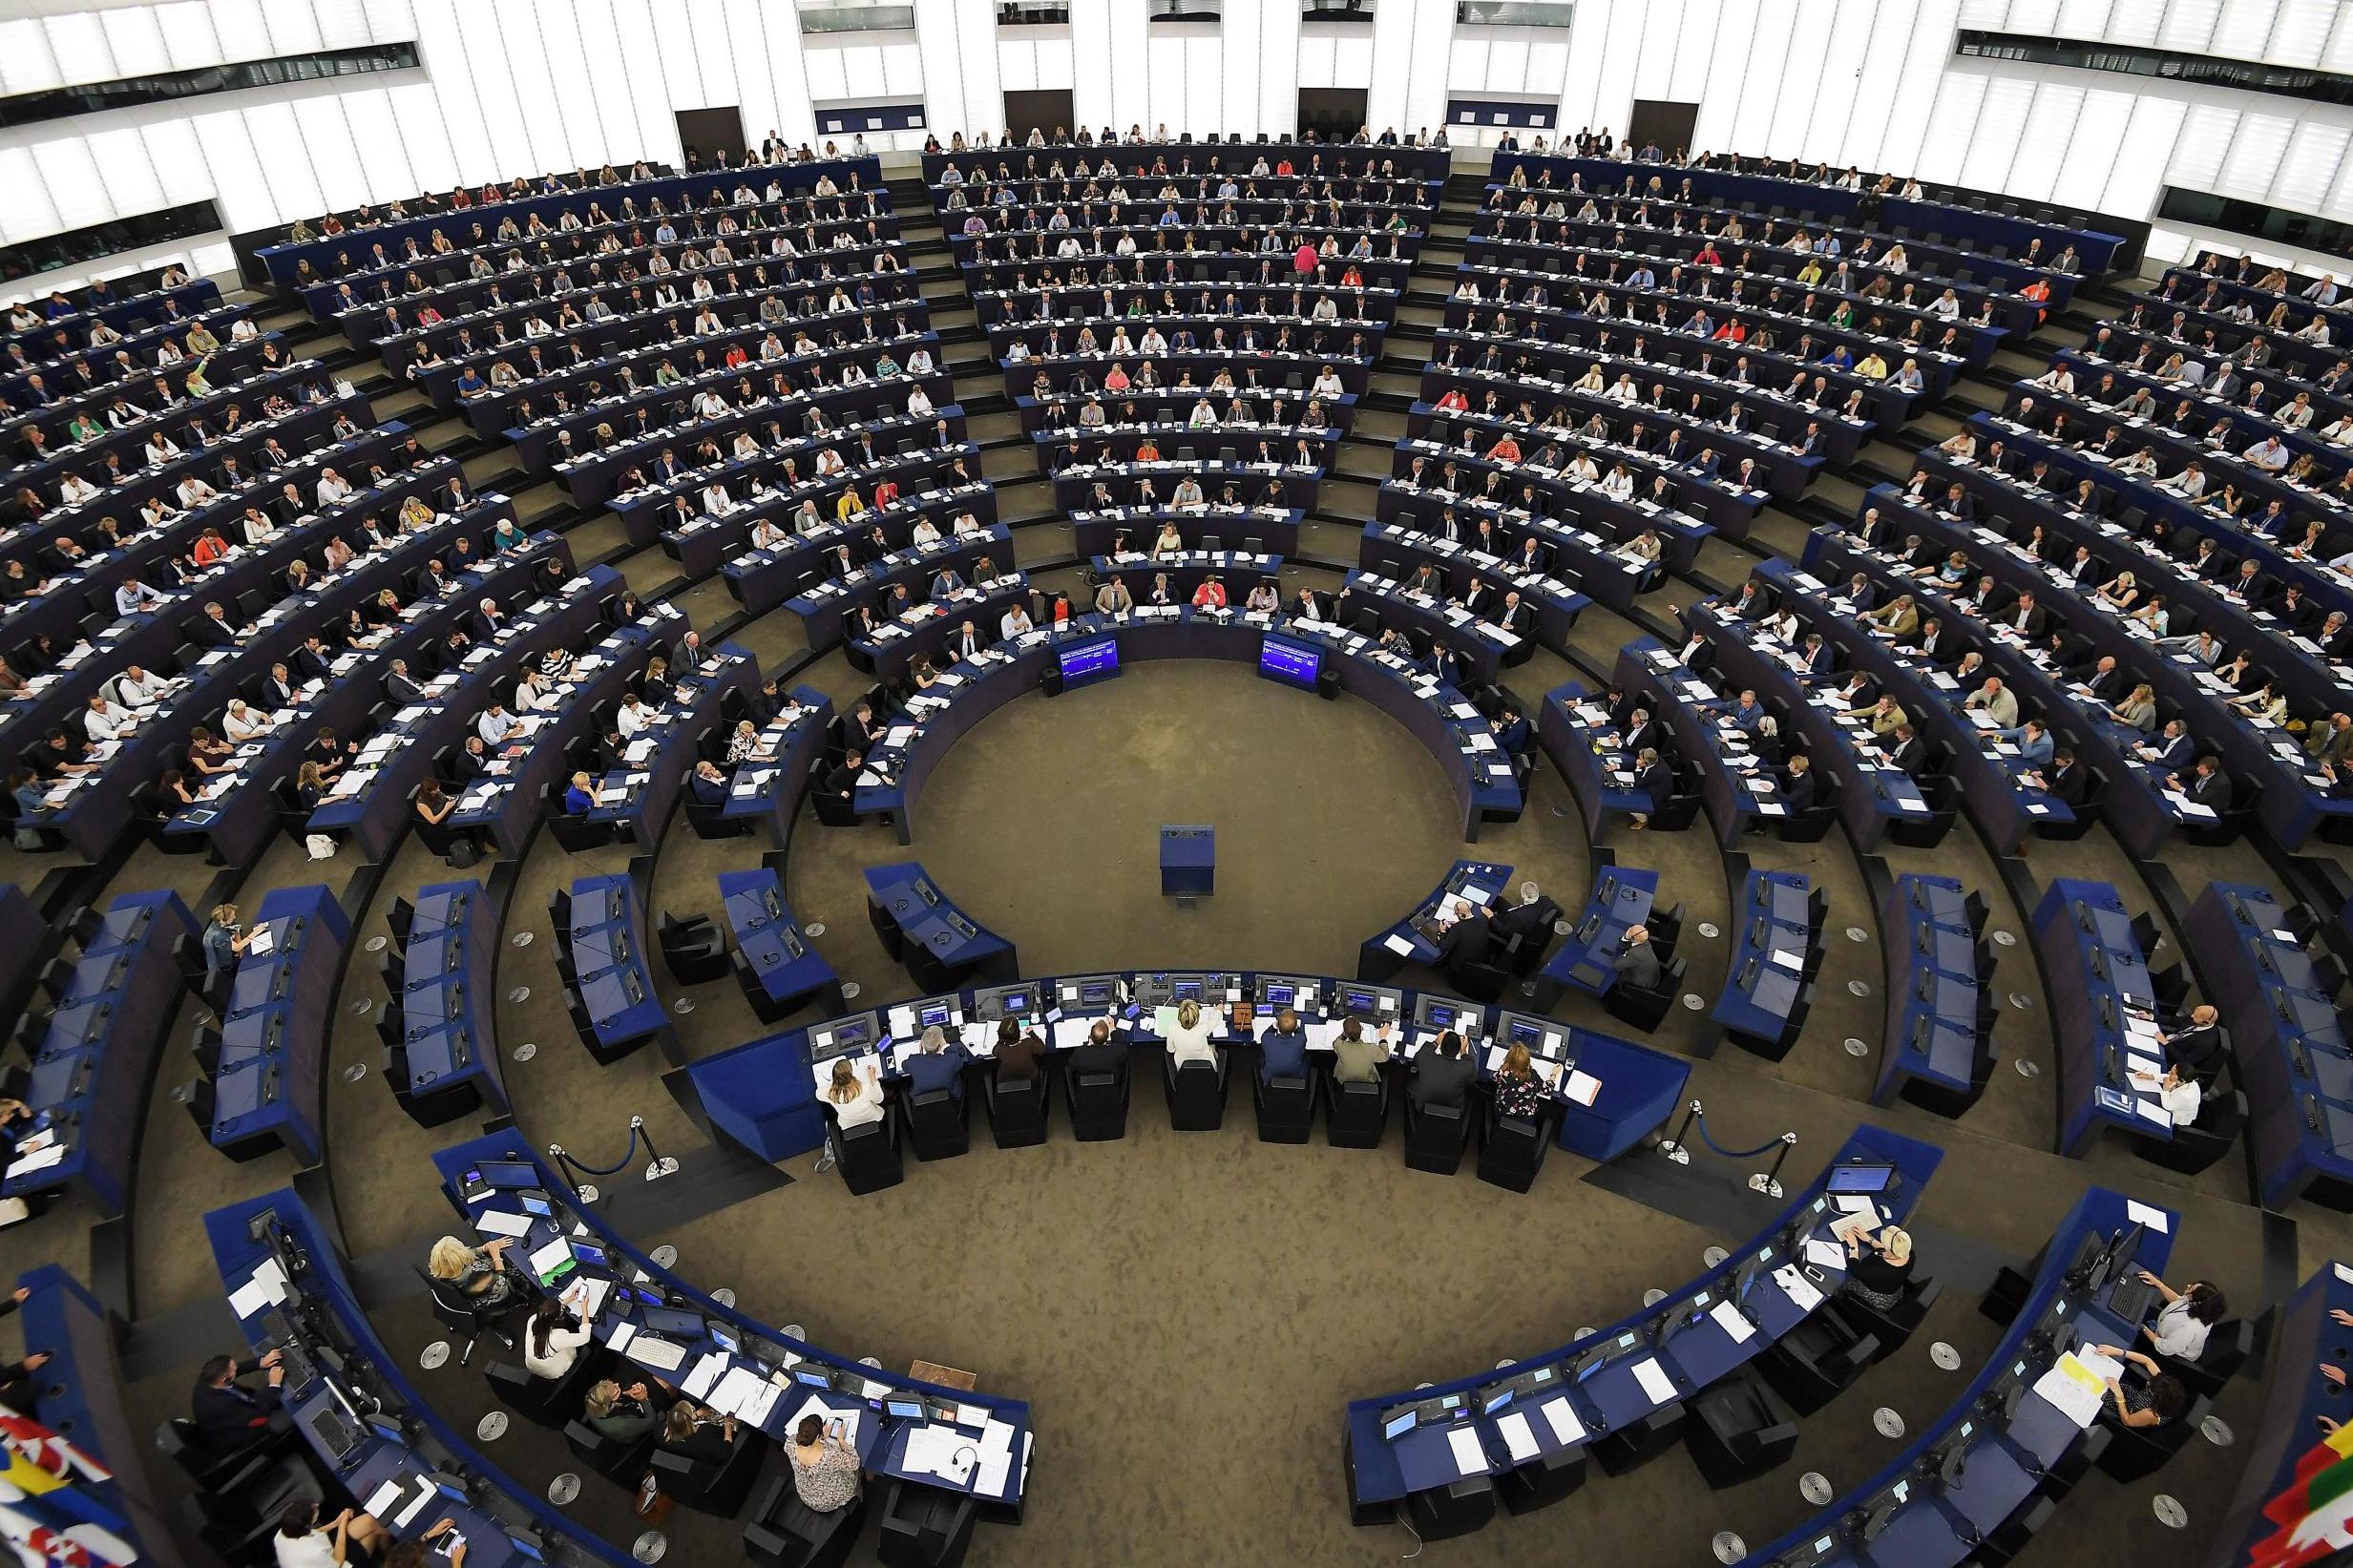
808,569
1734,783
449,1004
1272,530
1612,1095
767,786
1621,898
905,1429
636,798
1547,1410
1438,716
2104,1013
1765,982
823,609
757,489
286,1281
369,804
94,1061
270,1086
777,968
1574,729
618,1008
2288,1045
1701,504
2004,1427
1409,940
1932,1053
942,947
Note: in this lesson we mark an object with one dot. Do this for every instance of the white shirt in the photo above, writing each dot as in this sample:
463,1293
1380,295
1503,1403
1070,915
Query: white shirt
1189,1045
241,729
332,491
493,727
2178,1334
867,1106
316,1550
631,719
564,1346
108,723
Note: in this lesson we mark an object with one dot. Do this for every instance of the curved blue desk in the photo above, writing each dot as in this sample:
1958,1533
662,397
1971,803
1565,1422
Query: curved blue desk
2105,1010
942,946
448,1001
616,1007
271,1081
2295,1397
778,970
1931,1053
734,1362
1411,940
1776,936
767,786
1587,958
1622,1374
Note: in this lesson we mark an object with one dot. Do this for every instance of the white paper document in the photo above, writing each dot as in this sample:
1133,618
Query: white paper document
499,1222
1470,1459
1727,1318
1654,1380
2142,1214
1562,1416
1517,1436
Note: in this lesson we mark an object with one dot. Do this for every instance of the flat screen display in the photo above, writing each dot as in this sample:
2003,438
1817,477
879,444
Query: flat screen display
1096,658
1290,662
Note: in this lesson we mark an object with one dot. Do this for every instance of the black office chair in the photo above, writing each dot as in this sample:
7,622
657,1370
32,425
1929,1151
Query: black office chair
1817,1360
867,1155
717,1489
693,949
2011,1537
886,931
1624,1450
1435,1136
2137,1452
1511,1149
938,1124
578,835
1098,1105
1286,1108
2228,1345
1643,1009
1896,1324
548,1401
785,1533
1020,1111
1483,980
621,1463
923,1527
1738,1430
1541,1482
1196,1093
460,1317
1355,1114
1459,1508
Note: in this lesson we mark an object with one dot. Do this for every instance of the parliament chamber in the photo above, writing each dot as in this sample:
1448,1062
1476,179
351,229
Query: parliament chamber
1161,781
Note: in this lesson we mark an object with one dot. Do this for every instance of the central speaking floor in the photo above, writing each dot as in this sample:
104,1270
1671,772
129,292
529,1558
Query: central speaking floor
1044,823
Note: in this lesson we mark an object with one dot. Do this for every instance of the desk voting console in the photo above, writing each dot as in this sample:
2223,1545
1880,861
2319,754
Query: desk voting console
1587,958
1776,948
94,1057
601,929
942,946
1610,1094
971,1445
2105,1012
270,1087
1937,1052
447,1002
774,962
1413,939
1966,1473
1544,1412
2288,1041
365,1423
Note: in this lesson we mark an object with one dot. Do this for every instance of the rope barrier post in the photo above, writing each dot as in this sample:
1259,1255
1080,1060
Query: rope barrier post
657,1164
1675,1148
1769,1181
584,1191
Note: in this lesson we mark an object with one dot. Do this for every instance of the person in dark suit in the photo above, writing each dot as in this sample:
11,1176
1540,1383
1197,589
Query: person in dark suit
708,785
697,1434
1653,777
2208,785
1637,961
1512,731
213,629
1105,1050
937,1064
2169,748
1282,1050
227,1415
1442,1072
843,779
1797,781
1467,939
400,685
2200,1049
2067,779
1909,753
1526,918
471,761
2024,614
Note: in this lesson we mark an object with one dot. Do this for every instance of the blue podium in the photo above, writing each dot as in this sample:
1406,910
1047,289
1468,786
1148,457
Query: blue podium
1187,861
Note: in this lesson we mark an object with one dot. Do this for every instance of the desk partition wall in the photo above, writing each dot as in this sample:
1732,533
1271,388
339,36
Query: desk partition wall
1447,1440
2023,1418
269,1088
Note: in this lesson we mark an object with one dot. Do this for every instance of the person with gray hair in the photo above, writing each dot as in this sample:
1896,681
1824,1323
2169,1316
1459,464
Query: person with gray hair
937,1063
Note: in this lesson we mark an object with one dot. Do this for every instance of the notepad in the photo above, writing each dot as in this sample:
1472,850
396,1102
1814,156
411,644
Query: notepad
1470,1459
1517,1437
2141,1214
1561,1417
704,1375
1581,1087
1399,944
1798,1288
1823,1254
1655,1381
1727,1317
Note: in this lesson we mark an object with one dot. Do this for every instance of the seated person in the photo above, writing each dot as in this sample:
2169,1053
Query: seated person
937,1064
553,1341
698,1433
1105,1050
2147,1395
306,1540
477,1277
1191,1038
227,1415
1442,1072
1878,1263
825,1464
1517,1090
1021,1053
625,1415
1282,1050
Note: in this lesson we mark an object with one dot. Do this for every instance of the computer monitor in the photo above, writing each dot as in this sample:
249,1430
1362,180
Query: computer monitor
812,1374
724,1338
1281,995
1400,1421
509,1173
904,1408
1013,1004
1525,1031
662,1320
1860,1179
1186,991
591,1254
1095,993
1496,1398
1096,658
1358,1001
1292,663
1439,1016
934,1015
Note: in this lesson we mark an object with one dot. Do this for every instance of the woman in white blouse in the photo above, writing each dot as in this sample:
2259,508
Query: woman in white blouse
553,1342
1619,484
1191,1035
2180,1327
855,1096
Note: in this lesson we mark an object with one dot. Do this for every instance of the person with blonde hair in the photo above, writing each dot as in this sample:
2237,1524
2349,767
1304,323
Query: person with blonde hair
1189,1038
1878,1264
855,1096
477,1273
626,1415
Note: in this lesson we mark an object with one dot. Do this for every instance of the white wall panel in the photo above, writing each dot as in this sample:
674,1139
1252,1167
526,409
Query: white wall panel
2082,18
424,138
189,41
28,214
238,186
2189,24
2091,156
1204,98
2244,29
1726,86
71,176
1658,45
1240,65
178,163
1281,40
706,33
494,93
945,56
2301,31
2040,16
2050,123
77,42
125,172
2309,169
2338,54
327,136
293,26
2205,141
1055,74
1951,121
1800,79
1091,89
1852,25
2140,159
2135,21
633,24
376,133
755,78
343,24
675,53
26,63
244,35
529,83
2254,160
1993,141
1917,86
390,20
1882,73
286,160
136,38
903,71
1130,65
1752,124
